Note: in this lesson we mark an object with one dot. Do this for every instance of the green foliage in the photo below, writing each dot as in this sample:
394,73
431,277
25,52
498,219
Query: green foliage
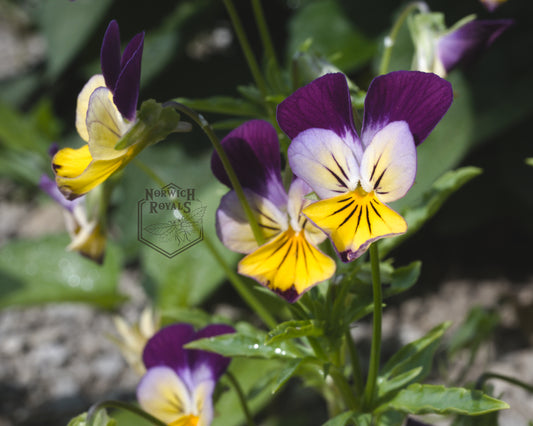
331,34
423,399
41,270
100,419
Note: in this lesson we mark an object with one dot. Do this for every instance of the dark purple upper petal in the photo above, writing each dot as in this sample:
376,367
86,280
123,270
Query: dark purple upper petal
110,55
324,103
421,99
469,40
126,92
122,73
253,151
166,347
216,363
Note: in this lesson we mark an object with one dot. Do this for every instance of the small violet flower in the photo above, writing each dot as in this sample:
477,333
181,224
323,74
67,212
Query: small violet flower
105,113
179,383
87,235
355,176
288,263
440,50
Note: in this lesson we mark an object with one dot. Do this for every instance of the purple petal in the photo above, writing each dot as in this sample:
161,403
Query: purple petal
126,91
166,348
215,363
110,55
420,99
324,103
469,40
49,186
253,151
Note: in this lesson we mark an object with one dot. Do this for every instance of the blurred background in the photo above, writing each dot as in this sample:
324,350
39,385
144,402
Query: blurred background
56,307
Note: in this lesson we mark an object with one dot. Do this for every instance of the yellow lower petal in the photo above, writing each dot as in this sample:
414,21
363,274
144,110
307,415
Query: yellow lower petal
69,163
354,220
288,265
189,420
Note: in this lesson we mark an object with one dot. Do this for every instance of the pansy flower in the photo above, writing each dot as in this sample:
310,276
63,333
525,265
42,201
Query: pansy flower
105,113
289,263
353,176
179,383
87,235
440,50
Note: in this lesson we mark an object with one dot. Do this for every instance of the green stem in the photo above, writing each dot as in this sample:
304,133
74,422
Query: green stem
235,280
486,376
375,349
358,384
264,33
390,40
91,414
344,388
208,130
245,46
242,398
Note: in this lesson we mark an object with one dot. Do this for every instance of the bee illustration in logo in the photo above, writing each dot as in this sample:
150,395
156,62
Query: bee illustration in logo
178,230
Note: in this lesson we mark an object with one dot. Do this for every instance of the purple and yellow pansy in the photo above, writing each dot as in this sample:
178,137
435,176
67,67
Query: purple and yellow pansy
356,176
289,262
178,385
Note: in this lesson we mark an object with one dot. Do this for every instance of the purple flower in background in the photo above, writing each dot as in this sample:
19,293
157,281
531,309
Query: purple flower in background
288,263
467,42
179,383
122,72
440,50
355,176
492,5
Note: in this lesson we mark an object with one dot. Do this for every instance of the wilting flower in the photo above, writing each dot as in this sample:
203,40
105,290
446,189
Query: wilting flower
355,176
439,50
87,235
179,383
105,113
132,338
289,262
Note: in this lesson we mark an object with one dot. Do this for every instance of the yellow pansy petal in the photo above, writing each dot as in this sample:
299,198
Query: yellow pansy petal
95,173
288,265
69,163
83,104
164,395
354,220
105,125
189,420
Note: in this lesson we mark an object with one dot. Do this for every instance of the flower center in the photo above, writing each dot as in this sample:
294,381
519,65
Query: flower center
188,420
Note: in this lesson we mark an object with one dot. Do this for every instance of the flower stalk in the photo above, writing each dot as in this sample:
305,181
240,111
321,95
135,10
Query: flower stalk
375,349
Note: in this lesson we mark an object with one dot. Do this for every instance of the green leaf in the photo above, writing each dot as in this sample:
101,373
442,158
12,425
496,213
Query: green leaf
333,35
295,329
66,27
249,372
348,416
224,105
413,355
100,419
423,399
41,270
403,278
247,345
288,370
424,209
399,381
